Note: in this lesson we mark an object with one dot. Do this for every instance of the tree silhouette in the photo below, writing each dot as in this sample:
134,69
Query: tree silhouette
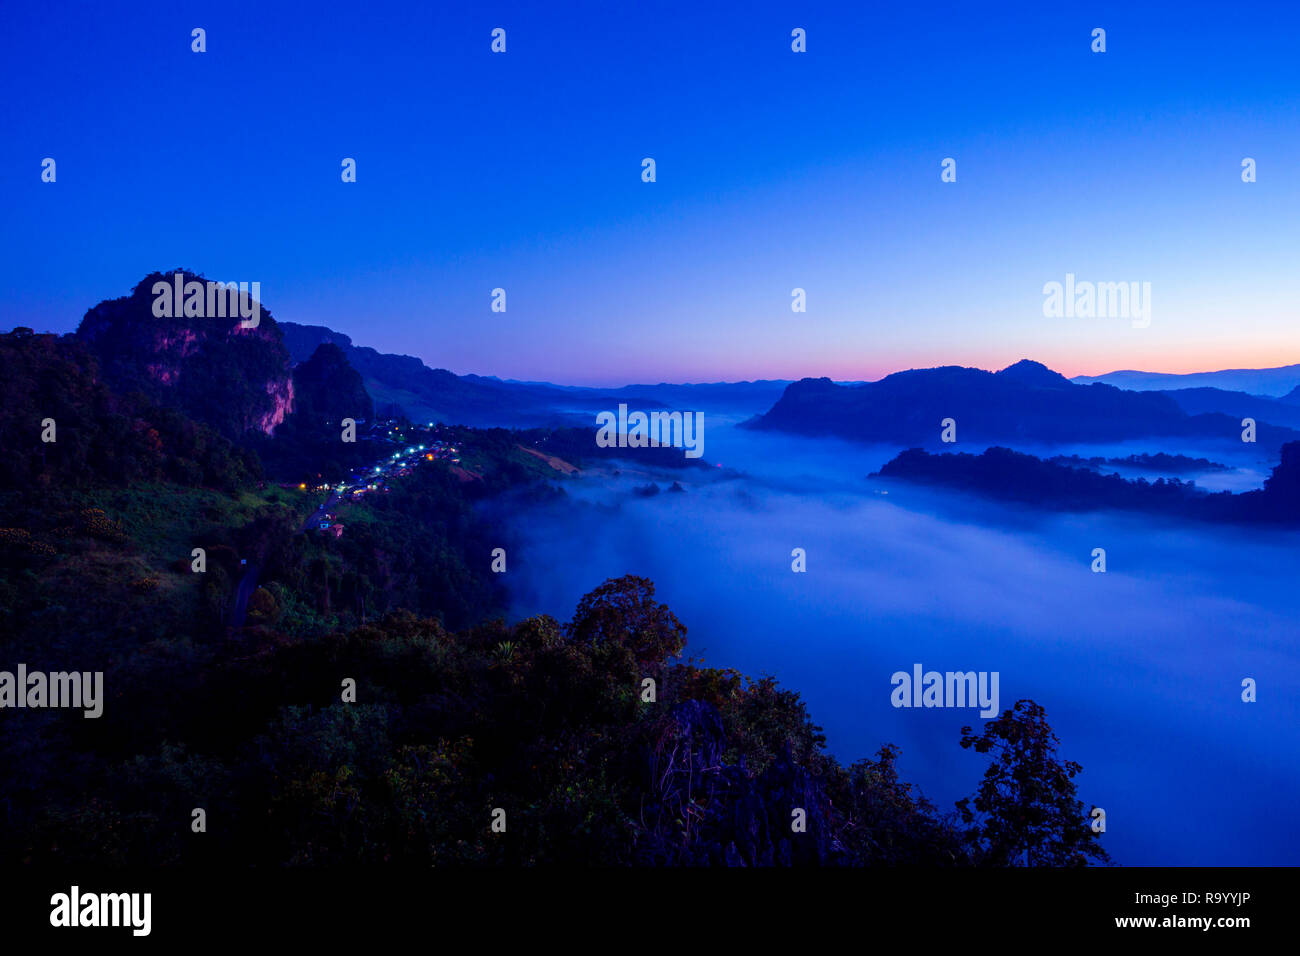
1025,811
623,611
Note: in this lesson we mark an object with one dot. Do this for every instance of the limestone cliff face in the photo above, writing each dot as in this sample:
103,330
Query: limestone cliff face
199,358
282,398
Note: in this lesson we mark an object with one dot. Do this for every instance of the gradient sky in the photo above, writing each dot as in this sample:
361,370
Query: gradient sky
775,170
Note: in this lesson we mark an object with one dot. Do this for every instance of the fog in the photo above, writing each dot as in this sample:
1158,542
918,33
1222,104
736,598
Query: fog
1139,668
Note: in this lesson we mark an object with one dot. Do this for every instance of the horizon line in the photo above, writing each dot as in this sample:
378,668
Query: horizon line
757,379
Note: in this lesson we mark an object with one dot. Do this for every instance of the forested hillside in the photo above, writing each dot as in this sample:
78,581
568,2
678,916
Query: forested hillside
346,690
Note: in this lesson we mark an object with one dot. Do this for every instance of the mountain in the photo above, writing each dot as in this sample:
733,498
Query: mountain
743,398
125,543
1272,382
1025,479
1033,375
1276,411
214,370
430,394
308,443
95,436
1023,402
1160,462
435,394
328,389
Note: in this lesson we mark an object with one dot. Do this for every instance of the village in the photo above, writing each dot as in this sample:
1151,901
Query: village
374,478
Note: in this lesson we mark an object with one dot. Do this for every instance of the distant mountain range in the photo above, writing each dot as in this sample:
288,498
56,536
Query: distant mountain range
1052,485
1025,402
1274,382
244,380
250,381
435,394
744,397
1277,411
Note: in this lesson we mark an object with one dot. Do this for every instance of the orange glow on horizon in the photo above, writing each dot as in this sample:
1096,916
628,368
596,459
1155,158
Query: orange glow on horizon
1070,366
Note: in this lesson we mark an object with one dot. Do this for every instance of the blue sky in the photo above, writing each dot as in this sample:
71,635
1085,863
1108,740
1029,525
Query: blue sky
775,170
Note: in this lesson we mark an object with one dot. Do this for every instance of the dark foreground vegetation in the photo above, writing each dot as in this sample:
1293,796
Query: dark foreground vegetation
550,724
374,707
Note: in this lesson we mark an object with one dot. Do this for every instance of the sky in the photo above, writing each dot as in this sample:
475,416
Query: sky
775,170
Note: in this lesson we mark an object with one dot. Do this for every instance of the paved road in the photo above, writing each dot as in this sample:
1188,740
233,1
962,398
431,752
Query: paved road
317,515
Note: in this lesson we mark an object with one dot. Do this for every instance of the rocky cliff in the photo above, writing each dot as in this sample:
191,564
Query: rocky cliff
218,367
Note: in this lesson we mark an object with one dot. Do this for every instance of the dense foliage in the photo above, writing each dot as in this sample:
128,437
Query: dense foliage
551,724
99,436
308,444
596,741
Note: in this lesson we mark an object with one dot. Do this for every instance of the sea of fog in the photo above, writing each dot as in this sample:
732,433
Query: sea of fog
1140,668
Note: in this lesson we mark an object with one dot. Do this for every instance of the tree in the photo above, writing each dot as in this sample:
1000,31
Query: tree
1026,812
622,611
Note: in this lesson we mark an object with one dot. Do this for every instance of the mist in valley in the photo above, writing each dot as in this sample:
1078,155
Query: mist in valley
1140,668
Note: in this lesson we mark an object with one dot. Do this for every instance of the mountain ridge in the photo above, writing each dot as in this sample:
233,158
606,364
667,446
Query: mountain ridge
1270,382
218,371
1023,402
